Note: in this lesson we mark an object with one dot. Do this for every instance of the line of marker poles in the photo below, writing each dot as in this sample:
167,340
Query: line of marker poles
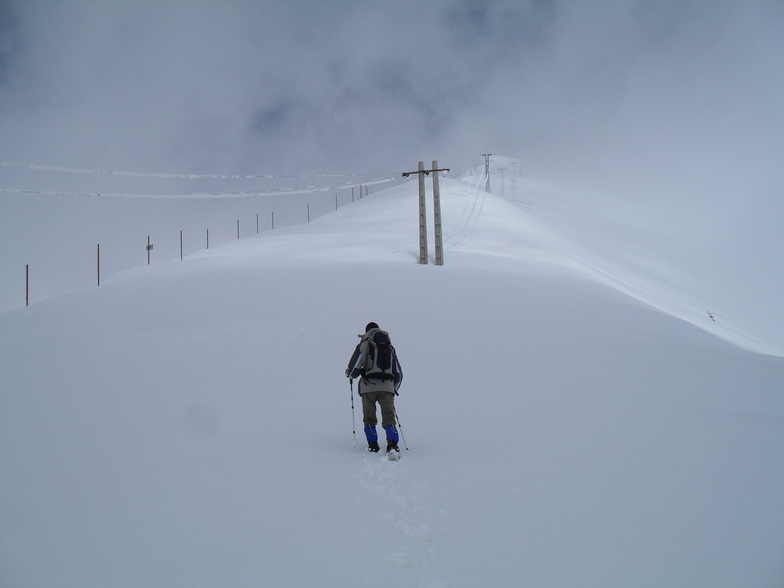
363,191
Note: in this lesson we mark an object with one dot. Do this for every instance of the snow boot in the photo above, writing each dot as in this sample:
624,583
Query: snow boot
373,447
393,451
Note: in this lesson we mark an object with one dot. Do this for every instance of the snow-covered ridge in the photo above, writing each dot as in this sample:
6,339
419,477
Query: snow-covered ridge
529,226
619,241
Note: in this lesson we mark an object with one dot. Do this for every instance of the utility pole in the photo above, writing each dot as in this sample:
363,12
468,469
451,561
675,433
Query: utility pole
487,170
437,216
502,169
422,172
422,215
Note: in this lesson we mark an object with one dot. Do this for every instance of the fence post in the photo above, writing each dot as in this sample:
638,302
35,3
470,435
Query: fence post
27,284
208,238
98,262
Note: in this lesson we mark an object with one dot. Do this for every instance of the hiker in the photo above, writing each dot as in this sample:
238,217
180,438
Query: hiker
375,363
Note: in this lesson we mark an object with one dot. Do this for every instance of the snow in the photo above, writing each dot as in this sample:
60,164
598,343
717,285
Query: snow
572,416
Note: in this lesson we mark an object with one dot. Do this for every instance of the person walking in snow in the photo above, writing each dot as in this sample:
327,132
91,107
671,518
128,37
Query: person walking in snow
375,363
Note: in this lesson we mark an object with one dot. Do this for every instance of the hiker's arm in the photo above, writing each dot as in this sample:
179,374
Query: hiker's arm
354,368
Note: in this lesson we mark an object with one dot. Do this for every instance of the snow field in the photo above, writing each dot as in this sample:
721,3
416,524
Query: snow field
189,424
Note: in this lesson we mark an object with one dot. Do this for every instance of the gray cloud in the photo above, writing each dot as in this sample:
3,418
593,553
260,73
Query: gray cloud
168,83
236,86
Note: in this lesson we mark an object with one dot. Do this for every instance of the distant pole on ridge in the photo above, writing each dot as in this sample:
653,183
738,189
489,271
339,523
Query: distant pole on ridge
502,169
487,170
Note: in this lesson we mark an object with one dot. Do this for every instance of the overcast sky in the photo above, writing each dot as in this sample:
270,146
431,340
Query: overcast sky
677,107
277,87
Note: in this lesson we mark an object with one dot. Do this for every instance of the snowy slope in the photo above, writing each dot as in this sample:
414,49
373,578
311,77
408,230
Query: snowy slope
188,424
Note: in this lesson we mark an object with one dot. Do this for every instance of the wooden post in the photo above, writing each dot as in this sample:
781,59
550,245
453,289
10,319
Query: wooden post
437,216
308,211
422,216
257,223
149,248
180,245
336,201
98,262
273,221
27,284
238,228
208,238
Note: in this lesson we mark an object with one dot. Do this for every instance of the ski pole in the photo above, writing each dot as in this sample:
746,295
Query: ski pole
353,420
402,437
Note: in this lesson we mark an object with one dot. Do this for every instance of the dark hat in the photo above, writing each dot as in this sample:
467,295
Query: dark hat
371,326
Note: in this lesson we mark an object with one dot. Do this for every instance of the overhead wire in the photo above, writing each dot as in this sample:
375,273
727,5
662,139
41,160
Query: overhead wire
477,193
200,195
55,168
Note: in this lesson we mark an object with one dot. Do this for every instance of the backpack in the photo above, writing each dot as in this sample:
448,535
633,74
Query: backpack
381,361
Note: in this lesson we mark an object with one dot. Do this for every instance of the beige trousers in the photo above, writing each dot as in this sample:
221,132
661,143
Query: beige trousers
386,400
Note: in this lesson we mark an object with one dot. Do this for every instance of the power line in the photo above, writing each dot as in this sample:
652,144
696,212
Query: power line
249,194
54,168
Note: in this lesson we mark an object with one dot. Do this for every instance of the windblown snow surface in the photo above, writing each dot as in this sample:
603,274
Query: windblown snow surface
571,417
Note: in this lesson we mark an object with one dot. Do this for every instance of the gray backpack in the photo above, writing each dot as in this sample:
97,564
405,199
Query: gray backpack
381,359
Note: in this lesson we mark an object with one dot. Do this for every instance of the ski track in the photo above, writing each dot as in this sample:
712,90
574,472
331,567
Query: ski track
412,528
